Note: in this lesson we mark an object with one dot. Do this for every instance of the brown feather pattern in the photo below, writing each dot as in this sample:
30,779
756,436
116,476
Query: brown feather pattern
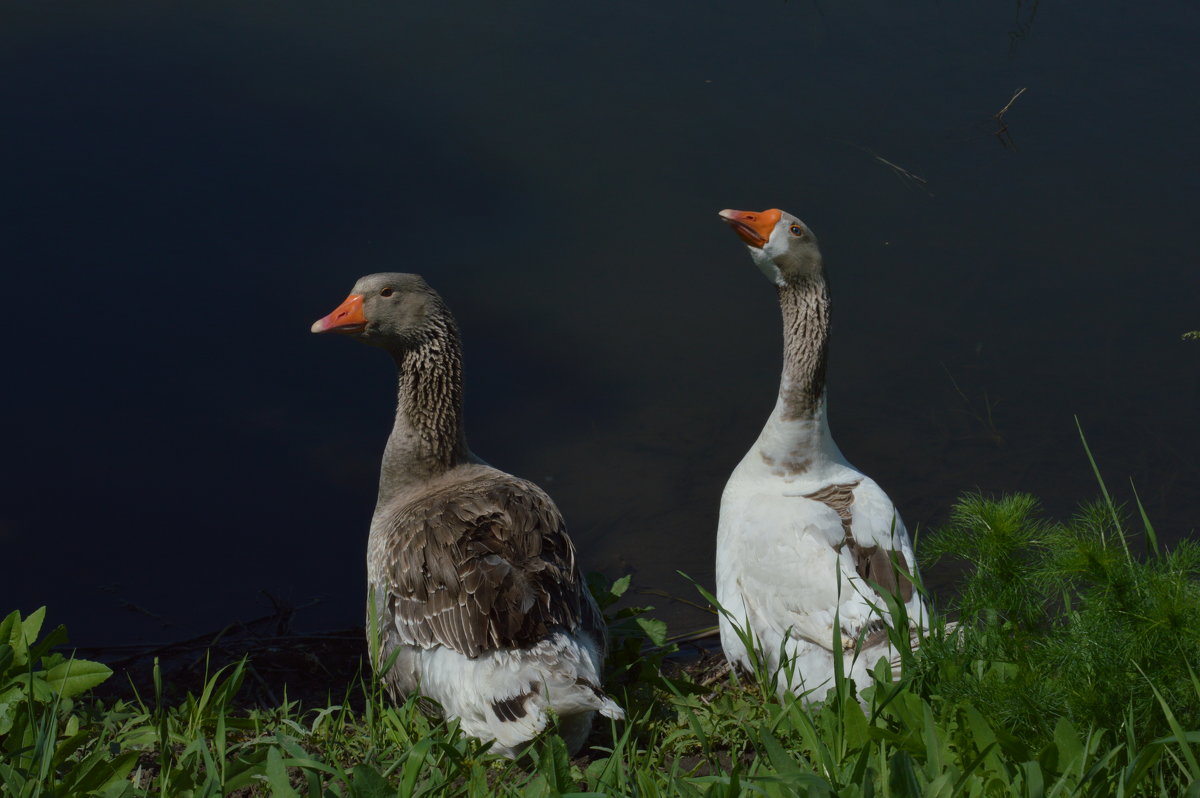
870,562
806,311
481,564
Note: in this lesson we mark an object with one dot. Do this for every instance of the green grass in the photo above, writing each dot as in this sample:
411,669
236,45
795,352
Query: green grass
1070,673
682,740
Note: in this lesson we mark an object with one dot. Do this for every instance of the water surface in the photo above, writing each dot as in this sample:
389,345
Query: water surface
187,187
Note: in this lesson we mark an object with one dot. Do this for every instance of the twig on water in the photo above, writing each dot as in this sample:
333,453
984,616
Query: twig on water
901,171
903,174
696,636
999,115
1001,126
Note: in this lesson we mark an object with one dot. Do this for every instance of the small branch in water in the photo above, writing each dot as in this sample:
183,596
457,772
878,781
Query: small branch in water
903,173
1002,126
696,636
999,115
985,420
900,170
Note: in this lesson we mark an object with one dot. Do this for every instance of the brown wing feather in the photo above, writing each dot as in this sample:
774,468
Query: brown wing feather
871,562
481,564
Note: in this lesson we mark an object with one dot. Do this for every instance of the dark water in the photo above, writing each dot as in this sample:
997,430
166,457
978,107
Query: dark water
186,187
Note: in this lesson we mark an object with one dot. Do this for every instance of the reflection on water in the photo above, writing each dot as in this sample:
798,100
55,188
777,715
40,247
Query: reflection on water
188,187
1025,14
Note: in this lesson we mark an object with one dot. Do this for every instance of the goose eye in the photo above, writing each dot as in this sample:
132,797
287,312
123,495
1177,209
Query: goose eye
795,230
386,292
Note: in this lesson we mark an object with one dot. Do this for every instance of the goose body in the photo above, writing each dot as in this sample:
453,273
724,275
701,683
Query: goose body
804,538
478,598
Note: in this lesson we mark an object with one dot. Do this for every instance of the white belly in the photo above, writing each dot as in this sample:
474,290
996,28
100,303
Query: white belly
782,579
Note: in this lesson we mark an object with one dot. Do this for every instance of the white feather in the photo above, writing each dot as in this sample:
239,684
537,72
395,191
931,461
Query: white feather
778,571
562,665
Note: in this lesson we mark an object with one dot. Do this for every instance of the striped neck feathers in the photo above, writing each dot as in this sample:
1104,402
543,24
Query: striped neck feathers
428,437
806,311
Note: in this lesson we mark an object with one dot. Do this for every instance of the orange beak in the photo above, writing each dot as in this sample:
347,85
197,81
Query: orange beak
347,318
754,227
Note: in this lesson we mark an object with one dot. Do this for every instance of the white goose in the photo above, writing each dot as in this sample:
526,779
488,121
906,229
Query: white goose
474,577
803,535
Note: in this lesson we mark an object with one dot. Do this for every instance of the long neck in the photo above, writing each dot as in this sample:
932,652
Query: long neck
427,438
796,435
805,348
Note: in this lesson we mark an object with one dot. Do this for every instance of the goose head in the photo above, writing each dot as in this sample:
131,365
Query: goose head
782,246
391,310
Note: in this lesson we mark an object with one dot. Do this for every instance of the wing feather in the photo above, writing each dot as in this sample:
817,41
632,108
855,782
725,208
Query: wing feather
480,564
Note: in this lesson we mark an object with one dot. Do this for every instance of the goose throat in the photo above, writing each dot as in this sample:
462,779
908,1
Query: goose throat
428,435
806,309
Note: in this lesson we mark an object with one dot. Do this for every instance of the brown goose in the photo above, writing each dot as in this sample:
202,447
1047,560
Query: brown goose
804,536
474,577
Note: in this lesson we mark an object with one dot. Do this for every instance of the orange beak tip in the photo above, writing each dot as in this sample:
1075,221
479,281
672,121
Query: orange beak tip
754,228
346,318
